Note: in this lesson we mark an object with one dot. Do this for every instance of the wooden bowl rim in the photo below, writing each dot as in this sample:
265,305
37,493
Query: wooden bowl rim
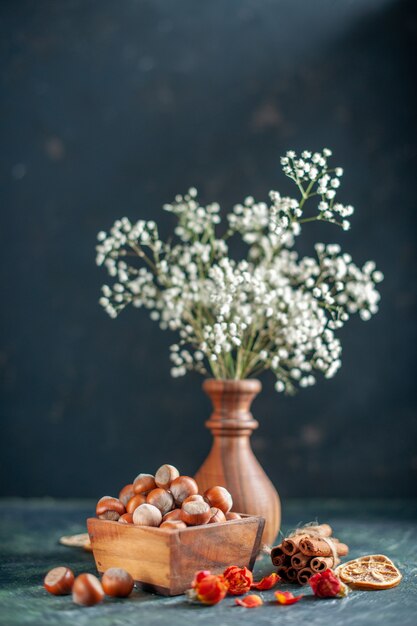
245,518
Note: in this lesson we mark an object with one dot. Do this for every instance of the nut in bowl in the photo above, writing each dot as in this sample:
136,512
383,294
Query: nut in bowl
164,554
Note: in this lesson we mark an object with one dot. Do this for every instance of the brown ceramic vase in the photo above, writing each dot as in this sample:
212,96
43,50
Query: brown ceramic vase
231,461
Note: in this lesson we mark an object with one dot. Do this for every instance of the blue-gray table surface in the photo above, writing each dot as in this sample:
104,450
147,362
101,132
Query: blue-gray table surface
30,529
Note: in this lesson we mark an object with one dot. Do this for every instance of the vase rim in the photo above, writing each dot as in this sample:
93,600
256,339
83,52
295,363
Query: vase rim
226,384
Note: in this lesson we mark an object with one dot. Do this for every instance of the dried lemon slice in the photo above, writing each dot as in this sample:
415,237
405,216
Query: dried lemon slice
81,540
374,571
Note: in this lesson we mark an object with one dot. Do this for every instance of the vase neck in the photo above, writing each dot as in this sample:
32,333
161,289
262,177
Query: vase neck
231,401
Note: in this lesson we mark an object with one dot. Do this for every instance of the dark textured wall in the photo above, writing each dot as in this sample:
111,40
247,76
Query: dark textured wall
111,108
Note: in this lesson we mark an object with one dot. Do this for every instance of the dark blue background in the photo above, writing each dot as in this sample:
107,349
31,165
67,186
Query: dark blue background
111,108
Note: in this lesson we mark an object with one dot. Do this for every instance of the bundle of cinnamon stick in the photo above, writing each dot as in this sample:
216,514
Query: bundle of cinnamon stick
306,551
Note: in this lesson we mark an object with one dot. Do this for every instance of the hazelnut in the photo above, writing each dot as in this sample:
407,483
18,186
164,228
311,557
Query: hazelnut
144,483
217,516
110,508
172,516
87,590
147,515
220,498
134,502
126,518
165,475
162,499
173,525
117,582
126,493
59,581
183,487
192,498
232,515
195,512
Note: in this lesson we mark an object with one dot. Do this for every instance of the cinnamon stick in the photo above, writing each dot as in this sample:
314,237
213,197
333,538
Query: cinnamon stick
324,530
277,556
291,545
291,574
321,563
304,575
317,546
282,572
321,530
300,560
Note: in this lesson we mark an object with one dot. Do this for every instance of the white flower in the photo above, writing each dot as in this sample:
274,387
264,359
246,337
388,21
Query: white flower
279,386
365,315
378,277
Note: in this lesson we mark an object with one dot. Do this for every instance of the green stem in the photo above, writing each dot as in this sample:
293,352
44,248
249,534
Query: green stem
141,254
310,219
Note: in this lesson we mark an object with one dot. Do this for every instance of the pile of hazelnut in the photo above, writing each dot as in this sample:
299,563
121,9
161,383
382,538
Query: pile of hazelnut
167,500
86,589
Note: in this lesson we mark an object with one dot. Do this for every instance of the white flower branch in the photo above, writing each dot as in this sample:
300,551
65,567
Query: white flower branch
272,310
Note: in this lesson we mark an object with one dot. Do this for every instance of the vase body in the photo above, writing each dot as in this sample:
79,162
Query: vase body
231,462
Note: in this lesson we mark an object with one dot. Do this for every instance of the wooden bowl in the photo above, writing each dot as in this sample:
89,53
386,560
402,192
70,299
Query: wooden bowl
165,560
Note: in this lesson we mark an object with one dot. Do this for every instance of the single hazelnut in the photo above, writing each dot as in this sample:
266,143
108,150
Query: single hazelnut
217,516
147,515
165,475
173,525
110,508
126,493
172,516
117,582
126,518
232,515
59,581
134,502
144,483
220,498
87,590
195,496
195,512
183,487
162,499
